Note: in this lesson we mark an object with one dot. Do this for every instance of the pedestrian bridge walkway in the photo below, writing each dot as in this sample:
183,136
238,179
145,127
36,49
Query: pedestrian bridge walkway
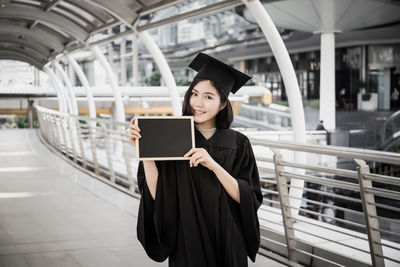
323,205
53,214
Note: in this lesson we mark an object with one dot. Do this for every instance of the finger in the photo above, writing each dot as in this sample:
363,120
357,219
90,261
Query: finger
195,158
134,127
192,160
191,152
199,160
135,136
135,132
195,155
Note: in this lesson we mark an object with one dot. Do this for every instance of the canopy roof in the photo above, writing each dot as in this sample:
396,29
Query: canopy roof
35,31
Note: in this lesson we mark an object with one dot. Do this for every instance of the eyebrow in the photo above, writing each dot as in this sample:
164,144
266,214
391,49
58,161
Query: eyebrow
210,93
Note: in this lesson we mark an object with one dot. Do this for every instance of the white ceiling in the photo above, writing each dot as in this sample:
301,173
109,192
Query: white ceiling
327,15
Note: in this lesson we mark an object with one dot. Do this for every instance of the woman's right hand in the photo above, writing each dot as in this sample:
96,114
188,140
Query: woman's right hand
133,132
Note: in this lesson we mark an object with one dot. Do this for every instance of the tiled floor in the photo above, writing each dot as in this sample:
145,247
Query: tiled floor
48,219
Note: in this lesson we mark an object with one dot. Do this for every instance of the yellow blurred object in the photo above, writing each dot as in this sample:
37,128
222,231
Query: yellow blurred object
236,107
266,99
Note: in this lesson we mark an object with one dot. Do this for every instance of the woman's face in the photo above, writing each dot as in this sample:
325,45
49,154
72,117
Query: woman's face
205,103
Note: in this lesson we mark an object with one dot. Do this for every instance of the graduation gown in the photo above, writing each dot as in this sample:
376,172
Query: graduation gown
192,220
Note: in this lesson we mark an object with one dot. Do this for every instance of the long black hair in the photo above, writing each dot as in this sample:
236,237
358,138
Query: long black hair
224,118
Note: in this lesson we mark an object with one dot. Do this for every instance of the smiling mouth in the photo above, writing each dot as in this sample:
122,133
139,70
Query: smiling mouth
198,113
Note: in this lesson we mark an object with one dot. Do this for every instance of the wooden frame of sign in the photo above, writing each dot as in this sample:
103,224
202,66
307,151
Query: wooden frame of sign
164,137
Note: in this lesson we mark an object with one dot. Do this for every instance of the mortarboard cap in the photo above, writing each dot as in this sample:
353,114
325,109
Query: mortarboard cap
209,68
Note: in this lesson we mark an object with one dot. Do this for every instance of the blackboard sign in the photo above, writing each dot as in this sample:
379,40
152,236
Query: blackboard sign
164,138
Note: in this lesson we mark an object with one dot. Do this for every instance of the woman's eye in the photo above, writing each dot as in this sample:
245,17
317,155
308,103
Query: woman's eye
193,93
208,97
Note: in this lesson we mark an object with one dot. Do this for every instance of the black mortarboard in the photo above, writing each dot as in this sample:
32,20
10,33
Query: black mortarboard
230,79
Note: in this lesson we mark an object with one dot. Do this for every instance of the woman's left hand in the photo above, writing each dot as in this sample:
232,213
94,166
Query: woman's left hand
200,155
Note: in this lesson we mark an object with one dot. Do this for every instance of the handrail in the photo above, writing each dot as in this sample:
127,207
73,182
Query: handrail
365,154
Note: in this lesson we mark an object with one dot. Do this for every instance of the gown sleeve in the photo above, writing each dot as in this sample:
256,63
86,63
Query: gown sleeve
157,218
246,174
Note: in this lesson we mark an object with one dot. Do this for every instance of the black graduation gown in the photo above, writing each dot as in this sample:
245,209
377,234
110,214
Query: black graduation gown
193,220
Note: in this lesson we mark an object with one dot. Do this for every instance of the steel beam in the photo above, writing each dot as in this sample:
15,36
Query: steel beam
38,35
49,18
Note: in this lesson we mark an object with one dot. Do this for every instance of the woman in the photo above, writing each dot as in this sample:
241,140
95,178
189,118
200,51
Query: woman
203,212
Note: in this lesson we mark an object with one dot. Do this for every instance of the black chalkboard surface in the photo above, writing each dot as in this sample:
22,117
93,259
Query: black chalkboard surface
164,138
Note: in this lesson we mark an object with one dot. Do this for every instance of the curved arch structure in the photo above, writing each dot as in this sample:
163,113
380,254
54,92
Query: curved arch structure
6,54
23,42
23,50
38,35
54,27
57,21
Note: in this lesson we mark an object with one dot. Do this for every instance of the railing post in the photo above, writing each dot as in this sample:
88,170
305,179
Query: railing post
79,137
54,128
93,149
44,124
125,153
48,128
371,219
71,134
285,206
108,154
63,132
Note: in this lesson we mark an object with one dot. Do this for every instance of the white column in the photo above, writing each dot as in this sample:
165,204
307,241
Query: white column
166,73
67,106
327,96
119,105
89,92
123,58
70,90
292,89
135,61
61,103
110,50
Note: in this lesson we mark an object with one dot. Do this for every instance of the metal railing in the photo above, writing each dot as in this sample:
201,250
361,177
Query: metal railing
348,217
264,117
98,145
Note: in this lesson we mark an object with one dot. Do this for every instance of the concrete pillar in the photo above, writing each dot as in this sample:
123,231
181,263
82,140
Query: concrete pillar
36,77
135,61
327,94
123,58
29,114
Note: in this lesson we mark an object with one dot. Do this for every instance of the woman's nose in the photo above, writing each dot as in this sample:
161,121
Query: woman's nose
198,102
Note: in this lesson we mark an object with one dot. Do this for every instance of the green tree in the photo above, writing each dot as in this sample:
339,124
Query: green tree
16,121
154,79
